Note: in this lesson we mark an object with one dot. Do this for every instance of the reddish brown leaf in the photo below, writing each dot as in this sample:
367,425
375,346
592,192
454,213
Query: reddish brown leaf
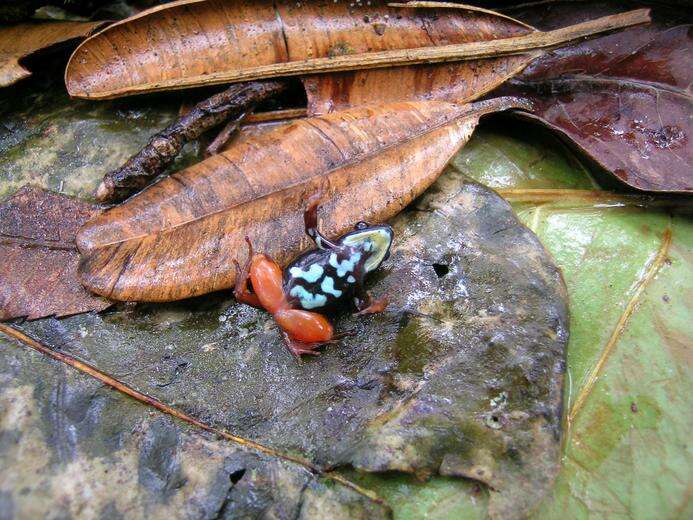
179,238
194,39
21,40
624,99
191,42
38,257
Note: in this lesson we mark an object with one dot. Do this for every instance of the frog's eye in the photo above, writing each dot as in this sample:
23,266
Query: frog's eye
361,225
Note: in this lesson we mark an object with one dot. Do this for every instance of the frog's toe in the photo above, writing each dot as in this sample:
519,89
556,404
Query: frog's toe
299,348
374,307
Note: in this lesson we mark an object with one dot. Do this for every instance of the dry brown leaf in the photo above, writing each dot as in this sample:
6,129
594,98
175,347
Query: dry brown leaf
179,238
21,40
199,38
38,257
193,42
455,82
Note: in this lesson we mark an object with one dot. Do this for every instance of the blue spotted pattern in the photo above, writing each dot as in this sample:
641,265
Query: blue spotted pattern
327,287
308,300
344,266
312,275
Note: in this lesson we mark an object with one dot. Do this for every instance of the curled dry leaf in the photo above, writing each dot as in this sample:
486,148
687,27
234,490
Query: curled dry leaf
38,256
21,40
193,39
179,238
624,99
192,43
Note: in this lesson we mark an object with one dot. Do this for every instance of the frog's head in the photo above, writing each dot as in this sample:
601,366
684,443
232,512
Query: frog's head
374,241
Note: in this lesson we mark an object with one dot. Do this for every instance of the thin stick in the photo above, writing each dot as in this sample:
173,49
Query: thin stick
97,374
164,146
223,137
275,115
398,57
595,198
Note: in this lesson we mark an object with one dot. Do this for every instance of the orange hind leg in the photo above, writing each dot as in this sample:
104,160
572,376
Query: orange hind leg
304,331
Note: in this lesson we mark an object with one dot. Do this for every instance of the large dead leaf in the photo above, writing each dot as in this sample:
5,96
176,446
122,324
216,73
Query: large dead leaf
189,40
204,42
624,99
21,40
178,238
462,377
71,446
38,256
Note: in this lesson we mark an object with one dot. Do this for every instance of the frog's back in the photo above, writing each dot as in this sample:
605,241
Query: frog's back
321,278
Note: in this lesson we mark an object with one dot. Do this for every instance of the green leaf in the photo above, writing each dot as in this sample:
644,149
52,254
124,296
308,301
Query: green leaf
628,388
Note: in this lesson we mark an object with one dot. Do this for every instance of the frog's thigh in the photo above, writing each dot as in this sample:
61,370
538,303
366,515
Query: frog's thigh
305,326
266,277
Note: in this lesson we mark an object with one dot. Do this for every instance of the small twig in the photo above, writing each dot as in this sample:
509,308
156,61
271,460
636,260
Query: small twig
223,137
163,147
597,198
275,115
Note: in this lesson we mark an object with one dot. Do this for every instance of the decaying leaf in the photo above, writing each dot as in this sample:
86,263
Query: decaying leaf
74,448
203,42
629,271
179,238
20,40
38,256
624,99
461,377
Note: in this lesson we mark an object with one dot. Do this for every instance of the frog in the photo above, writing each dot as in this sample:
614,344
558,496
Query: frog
316,282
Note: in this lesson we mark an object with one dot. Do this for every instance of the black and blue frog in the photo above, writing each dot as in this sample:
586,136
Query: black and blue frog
318,280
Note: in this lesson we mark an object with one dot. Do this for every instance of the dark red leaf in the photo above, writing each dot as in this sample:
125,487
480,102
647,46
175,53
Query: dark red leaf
38,257
624,98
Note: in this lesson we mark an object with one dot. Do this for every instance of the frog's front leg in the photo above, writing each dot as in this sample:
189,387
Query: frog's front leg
310,219
365,304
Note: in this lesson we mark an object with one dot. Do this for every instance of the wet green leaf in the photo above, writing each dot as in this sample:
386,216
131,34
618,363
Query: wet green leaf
626,451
